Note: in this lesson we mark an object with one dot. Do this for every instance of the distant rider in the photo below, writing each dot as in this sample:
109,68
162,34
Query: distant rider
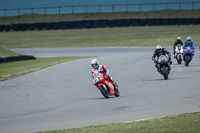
158,52
101,68
178,41
189,43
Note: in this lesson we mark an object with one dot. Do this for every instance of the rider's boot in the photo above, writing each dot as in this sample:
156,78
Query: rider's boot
114,83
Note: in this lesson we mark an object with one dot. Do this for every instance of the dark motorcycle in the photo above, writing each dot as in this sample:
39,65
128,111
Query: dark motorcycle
164,66
188,53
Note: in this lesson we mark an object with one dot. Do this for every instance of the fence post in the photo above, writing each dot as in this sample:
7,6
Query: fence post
18,13
153,6
179,5
192,5
32,12
44,11
59,10
4,13
72,9
126,8
113,7
86,9
166,6
140,7
100,9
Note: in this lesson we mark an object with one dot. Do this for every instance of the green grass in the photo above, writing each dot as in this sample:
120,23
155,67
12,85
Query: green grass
14,69
183,123
96,16
5,52
101,37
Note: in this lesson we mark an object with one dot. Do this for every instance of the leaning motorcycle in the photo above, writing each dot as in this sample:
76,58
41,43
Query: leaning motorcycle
179,53
164,66
106,88
188,52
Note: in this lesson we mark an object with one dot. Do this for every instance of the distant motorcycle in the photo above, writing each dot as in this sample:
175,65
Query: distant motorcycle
179,53
106,88
163,65
188,53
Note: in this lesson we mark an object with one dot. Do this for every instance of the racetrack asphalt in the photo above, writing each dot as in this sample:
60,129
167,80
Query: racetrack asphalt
63,96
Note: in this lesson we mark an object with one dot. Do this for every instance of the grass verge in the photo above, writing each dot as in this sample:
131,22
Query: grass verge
14,69
183,123
101,37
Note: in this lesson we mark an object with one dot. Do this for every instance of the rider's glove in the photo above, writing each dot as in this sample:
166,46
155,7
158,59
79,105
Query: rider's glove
105,77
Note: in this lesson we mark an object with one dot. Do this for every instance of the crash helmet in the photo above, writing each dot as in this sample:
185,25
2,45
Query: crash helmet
95,63
178,38
188,39
158,48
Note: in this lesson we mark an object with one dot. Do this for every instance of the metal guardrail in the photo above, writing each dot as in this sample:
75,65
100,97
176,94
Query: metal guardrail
102,8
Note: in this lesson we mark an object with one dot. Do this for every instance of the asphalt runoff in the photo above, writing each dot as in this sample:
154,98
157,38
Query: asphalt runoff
63,96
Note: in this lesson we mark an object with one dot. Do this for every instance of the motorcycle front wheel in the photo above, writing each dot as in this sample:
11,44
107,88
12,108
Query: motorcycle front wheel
164,71
104,92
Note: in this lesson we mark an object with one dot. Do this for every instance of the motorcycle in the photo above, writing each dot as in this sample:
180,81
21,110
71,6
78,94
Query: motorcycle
106,88
188,52
164,66
179,53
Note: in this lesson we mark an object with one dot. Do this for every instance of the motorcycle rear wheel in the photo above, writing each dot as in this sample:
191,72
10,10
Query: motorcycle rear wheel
104,92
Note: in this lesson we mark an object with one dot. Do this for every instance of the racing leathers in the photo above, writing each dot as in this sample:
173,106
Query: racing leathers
106,73
188,44
158,54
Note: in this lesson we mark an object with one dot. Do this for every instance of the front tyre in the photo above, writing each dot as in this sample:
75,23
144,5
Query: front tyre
164,71
104,92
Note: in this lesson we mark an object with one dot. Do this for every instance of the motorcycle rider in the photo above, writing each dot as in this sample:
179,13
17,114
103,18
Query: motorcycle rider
101,68
161,51
189,43
178,41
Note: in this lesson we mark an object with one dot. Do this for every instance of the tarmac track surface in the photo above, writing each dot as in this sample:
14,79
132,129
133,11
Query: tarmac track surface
63,96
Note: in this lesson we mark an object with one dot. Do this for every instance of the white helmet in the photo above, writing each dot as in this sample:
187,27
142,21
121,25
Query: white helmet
95,63
158,48
189,39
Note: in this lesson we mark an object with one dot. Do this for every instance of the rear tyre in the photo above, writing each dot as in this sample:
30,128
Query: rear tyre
117,94
104,92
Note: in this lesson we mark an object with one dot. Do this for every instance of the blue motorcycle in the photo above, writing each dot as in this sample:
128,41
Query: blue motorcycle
187,55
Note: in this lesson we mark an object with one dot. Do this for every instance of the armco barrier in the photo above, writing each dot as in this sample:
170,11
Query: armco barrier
99,23
16,58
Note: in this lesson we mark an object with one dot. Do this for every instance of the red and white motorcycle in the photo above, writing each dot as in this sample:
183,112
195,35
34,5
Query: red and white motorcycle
106,87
